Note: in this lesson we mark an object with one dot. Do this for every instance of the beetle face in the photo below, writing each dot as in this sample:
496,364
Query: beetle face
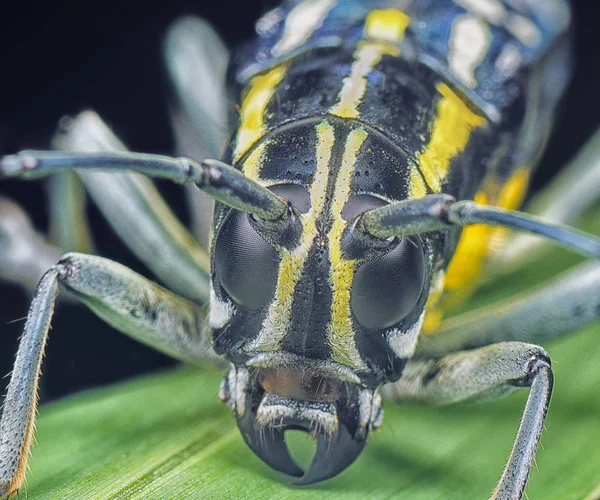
311,326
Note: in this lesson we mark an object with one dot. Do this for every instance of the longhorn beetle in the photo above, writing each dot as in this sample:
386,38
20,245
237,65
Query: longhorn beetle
380,149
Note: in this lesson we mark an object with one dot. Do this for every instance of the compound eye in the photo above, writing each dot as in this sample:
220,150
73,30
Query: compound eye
246,265
387,289
297,195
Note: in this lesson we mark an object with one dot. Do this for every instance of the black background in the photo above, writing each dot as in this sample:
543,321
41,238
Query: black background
58,58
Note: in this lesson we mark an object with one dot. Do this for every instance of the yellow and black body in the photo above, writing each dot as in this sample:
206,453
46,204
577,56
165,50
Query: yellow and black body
347,106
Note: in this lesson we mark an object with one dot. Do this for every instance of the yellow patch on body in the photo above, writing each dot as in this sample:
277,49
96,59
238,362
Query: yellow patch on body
340,334
383,30
254,105
476,244
450,134
386,24
253,163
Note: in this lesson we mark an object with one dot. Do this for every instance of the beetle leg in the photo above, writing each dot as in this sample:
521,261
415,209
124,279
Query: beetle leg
566,303
24,254
196,61
575,189
69,227
125,300
136,211
488,373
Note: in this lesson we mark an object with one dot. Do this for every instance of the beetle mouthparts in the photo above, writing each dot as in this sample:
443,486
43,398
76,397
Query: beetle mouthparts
340,427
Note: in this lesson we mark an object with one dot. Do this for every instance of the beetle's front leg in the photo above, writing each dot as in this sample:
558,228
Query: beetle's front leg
125,300
487,373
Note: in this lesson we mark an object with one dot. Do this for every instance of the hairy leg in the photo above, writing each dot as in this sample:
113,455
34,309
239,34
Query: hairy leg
125,300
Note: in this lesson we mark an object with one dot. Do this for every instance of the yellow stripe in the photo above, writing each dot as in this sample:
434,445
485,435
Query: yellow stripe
386,24
254,162
417,186
254,105
278,319
354,86
384,29
340,332
449,137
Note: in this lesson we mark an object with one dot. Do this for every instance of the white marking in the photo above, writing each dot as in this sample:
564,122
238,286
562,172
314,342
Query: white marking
509,59
273,414
470,39
404,343
523,30
438,285
220,311
322,417
238,382
322,421
369,406
302,21
491,10
268,22
365,403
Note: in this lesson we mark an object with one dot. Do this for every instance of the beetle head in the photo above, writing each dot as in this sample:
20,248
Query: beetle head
314,325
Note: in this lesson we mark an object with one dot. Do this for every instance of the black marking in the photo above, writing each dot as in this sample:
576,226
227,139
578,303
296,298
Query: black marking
311,308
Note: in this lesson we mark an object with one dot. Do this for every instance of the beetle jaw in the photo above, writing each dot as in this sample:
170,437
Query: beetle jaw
340,419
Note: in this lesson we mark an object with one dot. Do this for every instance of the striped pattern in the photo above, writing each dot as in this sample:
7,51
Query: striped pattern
340,334
252,124
292,264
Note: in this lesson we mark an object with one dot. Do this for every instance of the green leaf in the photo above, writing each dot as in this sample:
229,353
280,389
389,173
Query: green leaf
168,436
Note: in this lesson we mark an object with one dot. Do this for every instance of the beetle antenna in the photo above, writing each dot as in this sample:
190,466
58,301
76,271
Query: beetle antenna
441,212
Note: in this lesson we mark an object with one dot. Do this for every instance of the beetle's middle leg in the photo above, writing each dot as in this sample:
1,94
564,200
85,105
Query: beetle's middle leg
136,211
486,373
125,300
562,305
196,61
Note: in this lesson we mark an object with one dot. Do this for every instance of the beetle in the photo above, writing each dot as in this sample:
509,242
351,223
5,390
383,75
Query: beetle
337,241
